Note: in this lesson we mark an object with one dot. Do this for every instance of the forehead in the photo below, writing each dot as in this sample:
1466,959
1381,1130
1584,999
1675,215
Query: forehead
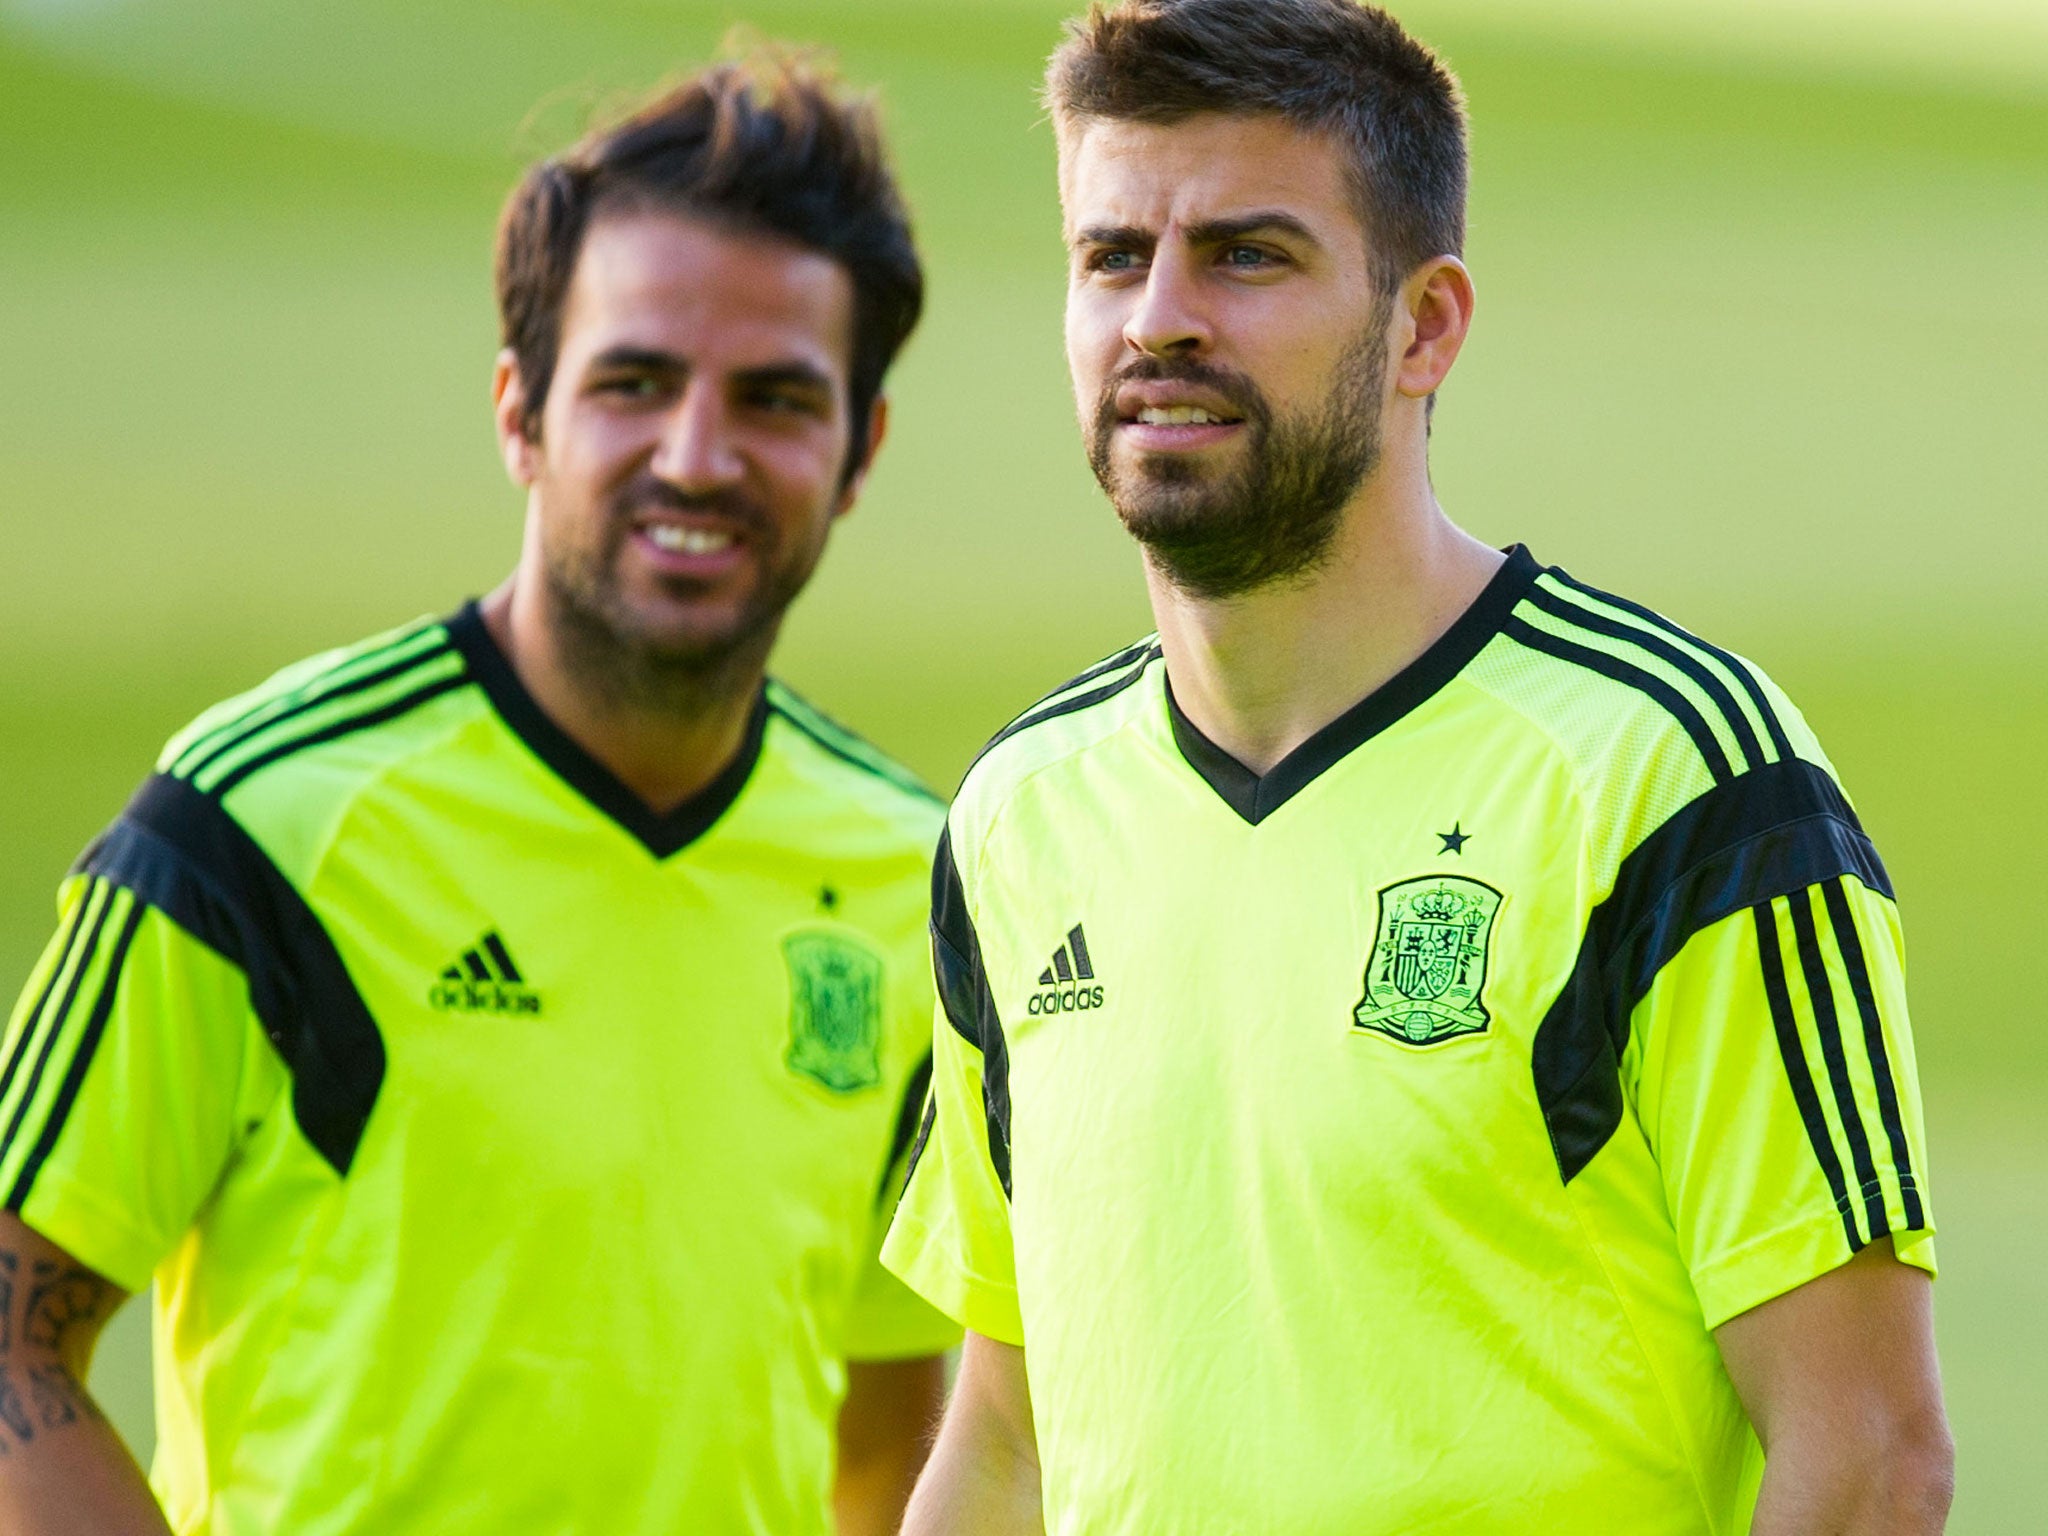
715,296
1209,166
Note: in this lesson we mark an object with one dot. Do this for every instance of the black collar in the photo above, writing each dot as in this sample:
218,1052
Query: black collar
661,832
1256,796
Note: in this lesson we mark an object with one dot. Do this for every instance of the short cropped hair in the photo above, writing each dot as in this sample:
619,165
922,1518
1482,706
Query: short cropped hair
1330,66
767,145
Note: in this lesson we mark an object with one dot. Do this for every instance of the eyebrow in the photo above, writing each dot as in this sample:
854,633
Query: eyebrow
1115,234
653,360
1264,221
645,359
801,375
1207,232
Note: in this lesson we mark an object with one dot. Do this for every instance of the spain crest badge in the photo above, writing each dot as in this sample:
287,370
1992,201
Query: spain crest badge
835,1010
1427,969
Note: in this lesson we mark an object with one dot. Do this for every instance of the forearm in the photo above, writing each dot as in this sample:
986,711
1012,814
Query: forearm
63,1469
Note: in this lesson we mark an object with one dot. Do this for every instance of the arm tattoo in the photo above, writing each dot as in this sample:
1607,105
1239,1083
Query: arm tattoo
47,1310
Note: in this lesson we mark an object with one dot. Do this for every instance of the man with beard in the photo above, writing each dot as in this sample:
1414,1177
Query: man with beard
499,1041
1423,1044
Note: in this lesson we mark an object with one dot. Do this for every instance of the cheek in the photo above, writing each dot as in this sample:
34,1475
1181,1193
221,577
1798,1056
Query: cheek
802,475
591,451
1094,341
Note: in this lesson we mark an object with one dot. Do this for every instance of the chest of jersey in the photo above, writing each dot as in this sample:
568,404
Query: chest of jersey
636,1110
632,1023
1349,988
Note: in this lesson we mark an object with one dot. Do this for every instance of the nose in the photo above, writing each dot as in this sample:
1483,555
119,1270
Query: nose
697,451
1169,318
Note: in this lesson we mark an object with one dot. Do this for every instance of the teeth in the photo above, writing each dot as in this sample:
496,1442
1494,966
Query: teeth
1176,416
687,541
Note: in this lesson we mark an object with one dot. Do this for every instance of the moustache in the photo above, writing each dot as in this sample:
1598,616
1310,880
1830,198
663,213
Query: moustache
650,495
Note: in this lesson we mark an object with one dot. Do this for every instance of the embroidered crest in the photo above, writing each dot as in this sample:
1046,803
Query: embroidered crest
1428,962
835,1010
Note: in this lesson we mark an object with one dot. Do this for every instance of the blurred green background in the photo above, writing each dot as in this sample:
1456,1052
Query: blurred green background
1763,340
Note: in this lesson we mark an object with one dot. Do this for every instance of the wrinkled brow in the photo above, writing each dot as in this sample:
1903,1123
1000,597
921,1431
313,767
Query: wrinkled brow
1219,231
1115,234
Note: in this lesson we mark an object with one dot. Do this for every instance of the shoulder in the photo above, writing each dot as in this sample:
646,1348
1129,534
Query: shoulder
375,669
1085,711
850,776
1648,715
1701,787
281,762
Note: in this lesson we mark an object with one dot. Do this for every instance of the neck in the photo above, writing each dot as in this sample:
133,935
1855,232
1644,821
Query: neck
1260,673
665,748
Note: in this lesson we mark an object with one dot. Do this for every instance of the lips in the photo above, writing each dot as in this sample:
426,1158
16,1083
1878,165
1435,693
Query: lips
688,539
1157,406
1173,418
691,539
1168,403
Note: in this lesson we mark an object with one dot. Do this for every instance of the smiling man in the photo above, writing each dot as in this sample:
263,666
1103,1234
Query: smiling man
500,1041
1423,1041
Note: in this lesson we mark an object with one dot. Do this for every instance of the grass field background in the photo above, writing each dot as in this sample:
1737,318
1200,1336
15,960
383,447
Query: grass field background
1762,340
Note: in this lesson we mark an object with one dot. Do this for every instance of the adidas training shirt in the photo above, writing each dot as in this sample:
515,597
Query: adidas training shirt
1371,1146
507,1158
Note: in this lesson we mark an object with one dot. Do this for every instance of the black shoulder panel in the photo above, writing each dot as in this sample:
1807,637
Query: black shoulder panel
1750,839
970,1006
178,850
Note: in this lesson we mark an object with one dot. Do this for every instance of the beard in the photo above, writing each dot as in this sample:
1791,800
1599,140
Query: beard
631,659
1274,516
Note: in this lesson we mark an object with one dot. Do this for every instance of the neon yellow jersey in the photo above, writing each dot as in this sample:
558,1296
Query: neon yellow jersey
507,1158
1371,1146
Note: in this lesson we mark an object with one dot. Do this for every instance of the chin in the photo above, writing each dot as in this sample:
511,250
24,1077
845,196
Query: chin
689,645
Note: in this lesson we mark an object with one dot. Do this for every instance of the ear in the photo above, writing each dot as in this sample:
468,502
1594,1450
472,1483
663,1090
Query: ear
1437,303
878,428
508,410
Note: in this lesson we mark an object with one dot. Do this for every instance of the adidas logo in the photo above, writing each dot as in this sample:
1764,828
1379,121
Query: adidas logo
1065,984
484,980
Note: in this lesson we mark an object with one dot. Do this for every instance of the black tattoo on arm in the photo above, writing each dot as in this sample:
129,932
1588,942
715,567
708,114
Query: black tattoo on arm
61,1300
50,1314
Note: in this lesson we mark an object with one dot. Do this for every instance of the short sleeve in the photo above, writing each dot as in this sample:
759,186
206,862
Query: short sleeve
889,1321
950,1240
130,1062
1775,1080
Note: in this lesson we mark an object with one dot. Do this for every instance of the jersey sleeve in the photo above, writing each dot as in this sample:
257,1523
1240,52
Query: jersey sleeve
889,1320
950,1240
1772,1062
131,1061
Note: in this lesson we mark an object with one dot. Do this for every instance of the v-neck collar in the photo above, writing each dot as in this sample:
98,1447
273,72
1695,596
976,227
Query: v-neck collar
1256,796
662,833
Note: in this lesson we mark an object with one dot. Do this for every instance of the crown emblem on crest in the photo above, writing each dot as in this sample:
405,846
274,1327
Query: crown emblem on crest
1438,906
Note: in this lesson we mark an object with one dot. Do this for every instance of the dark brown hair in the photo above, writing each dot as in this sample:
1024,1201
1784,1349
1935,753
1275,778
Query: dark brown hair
767,145
1331,66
